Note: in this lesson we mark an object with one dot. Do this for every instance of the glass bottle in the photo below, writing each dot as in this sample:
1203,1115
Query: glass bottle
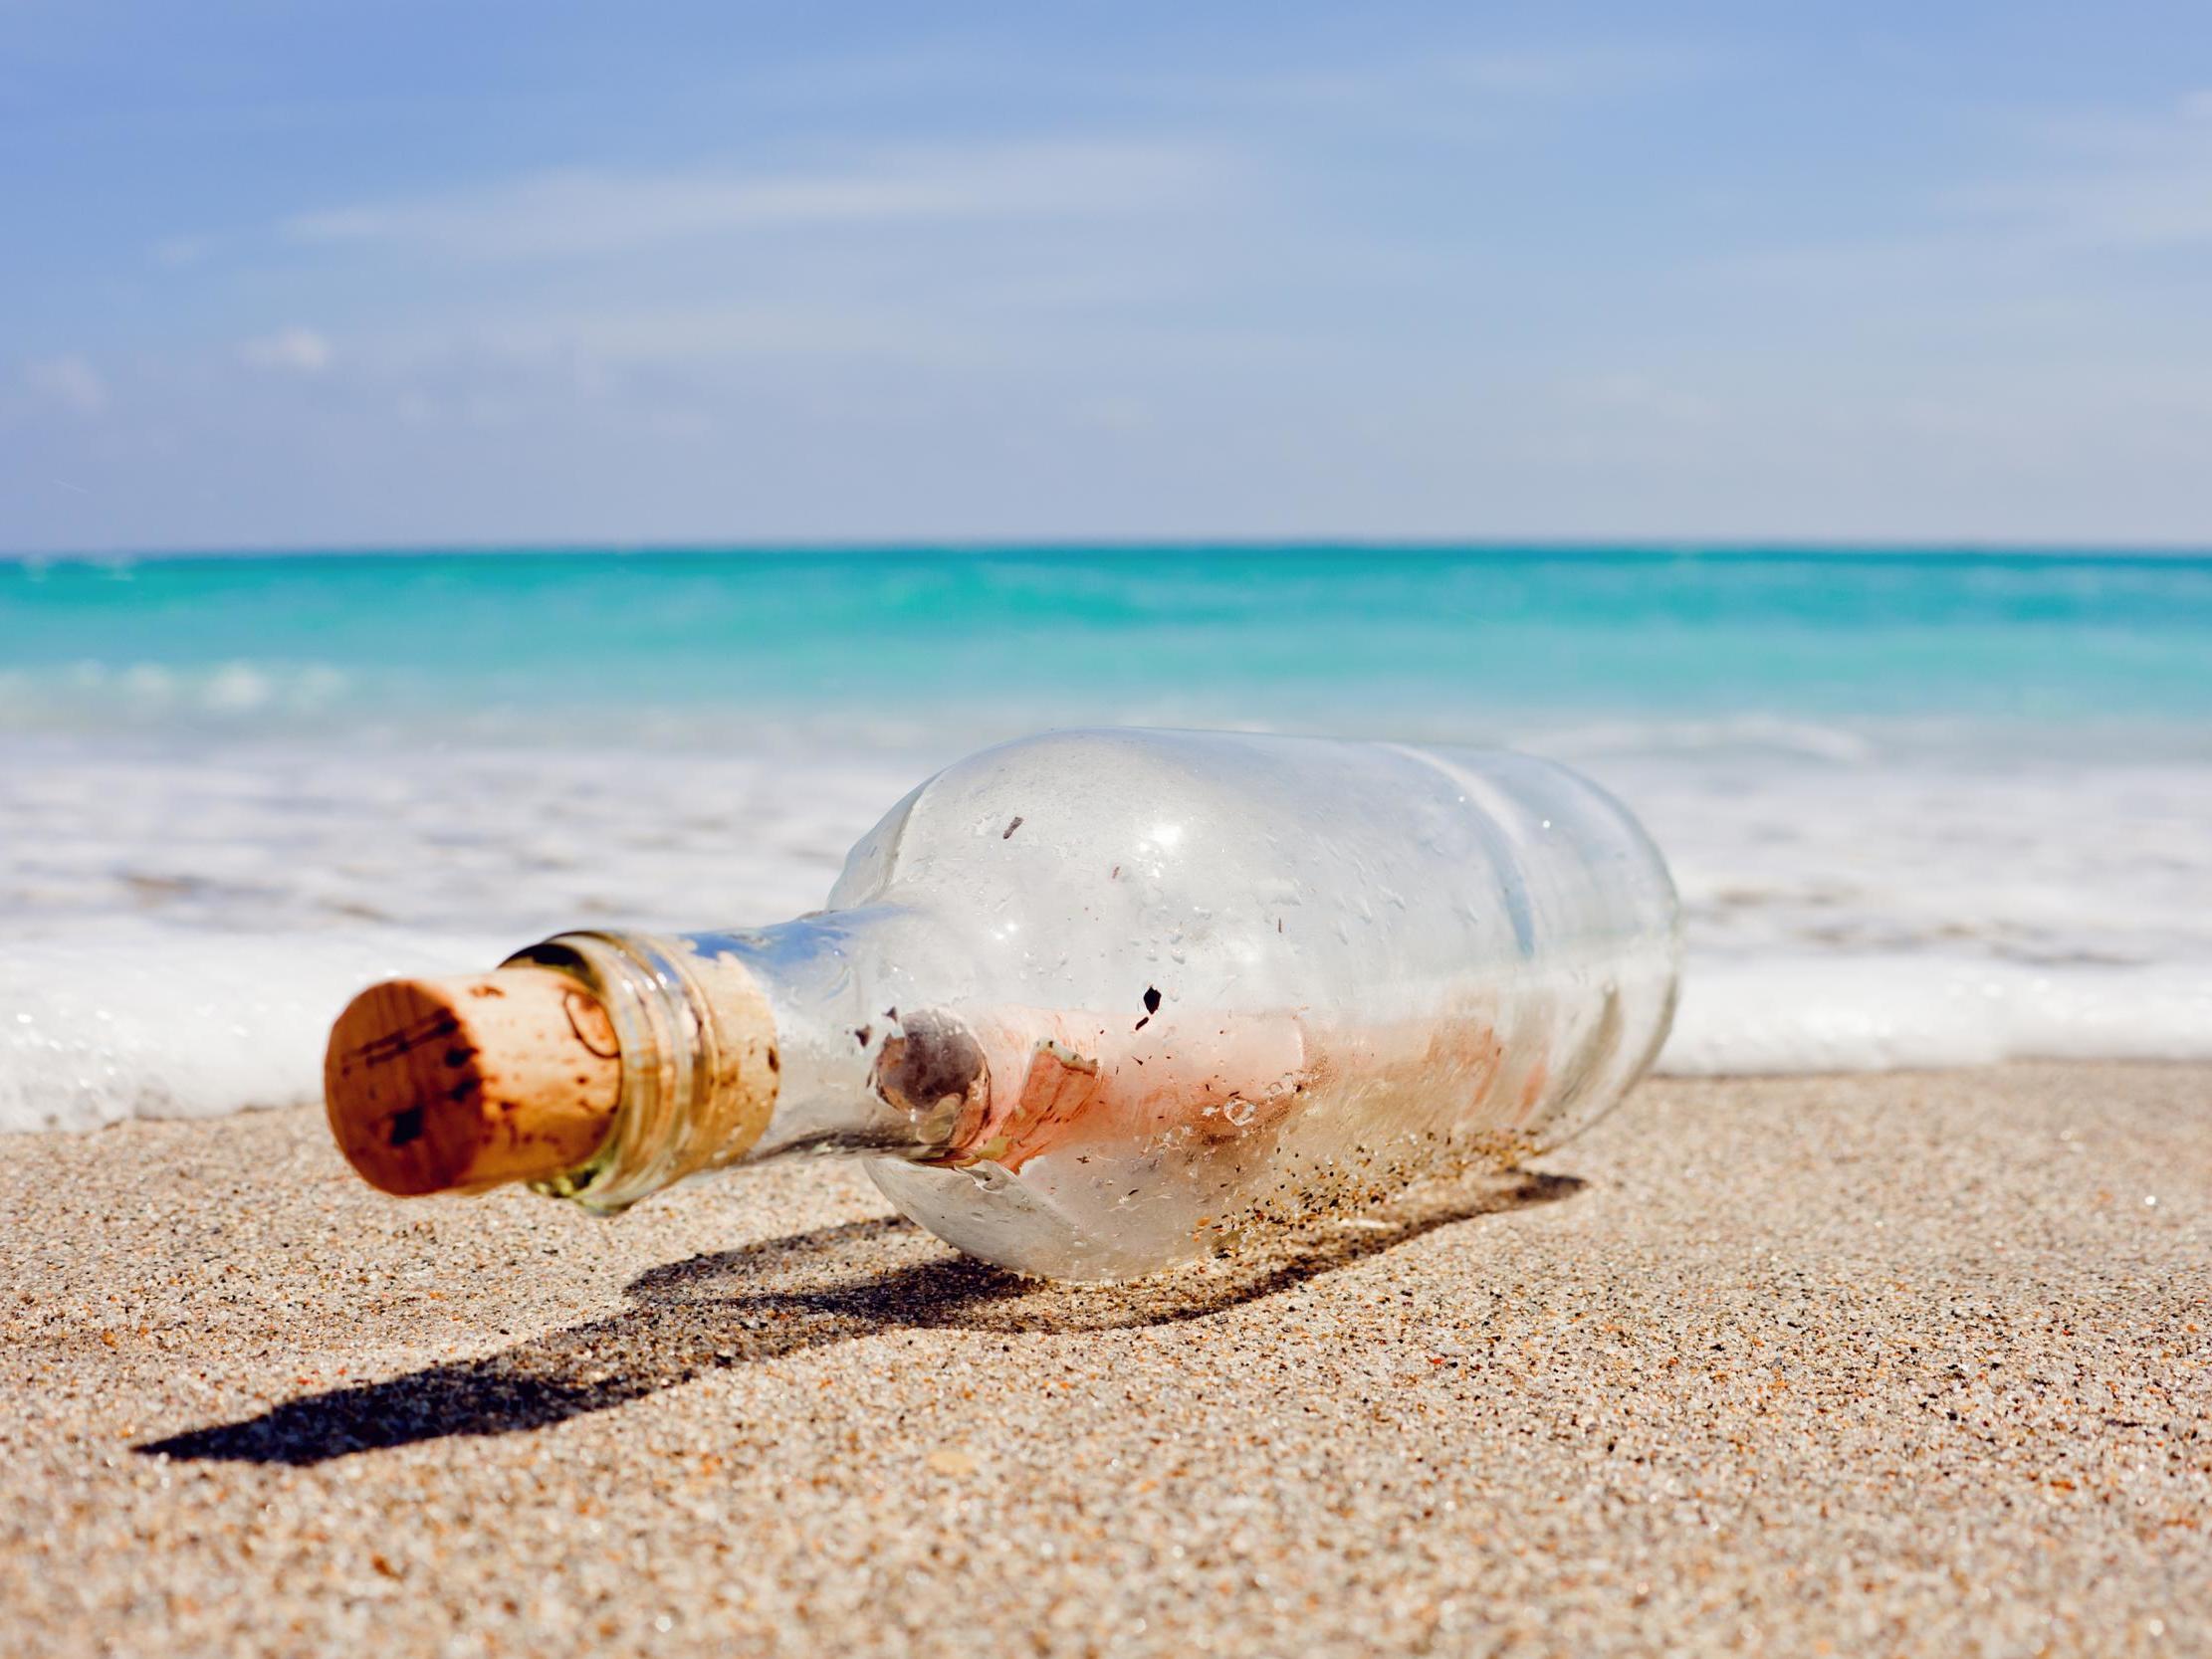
1092,1003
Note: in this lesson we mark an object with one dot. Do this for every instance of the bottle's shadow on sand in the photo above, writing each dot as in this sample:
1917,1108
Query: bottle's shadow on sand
739,1306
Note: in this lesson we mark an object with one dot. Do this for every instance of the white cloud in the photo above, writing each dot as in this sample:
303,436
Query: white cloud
1436,83
2090,186
291,351
2158,206
588,211
178,250
1642,397
1111,413
2115,185
1584,70
71,382
688,335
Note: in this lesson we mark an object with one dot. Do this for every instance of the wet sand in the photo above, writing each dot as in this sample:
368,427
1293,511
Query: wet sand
1910,1364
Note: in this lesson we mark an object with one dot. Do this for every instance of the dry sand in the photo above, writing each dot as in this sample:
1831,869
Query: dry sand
1907,1363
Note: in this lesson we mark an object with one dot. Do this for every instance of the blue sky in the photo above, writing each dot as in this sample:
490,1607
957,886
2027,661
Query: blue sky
336,275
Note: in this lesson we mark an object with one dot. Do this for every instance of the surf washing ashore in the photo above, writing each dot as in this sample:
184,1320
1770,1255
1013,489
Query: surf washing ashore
1925,809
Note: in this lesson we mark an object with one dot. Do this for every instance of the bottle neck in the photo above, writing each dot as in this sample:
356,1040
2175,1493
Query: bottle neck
742,1046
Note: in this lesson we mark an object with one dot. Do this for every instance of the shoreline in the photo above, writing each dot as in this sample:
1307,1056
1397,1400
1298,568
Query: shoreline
1907,1360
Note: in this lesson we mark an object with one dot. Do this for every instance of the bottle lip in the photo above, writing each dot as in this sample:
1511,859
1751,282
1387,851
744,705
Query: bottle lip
657,1026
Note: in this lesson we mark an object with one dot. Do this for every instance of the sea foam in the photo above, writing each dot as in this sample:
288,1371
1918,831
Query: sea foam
126,1020
1892,1013
183,926
136,1021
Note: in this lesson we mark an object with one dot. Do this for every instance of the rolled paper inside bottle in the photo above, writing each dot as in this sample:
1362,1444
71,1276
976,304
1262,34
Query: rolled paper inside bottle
1047,1078
457,1085
1050,1077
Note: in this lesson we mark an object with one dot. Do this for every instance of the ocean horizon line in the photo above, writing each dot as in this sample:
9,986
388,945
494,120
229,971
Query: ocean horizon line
1565,549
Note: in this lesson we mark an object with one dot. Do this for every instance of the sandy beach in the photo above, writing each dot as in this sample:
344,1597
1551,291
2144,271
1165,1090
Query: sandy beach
1901,1363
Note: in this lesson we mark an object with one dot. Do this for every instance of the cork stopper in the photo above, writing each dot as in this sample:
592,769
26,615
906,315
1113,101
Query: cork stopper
457,1085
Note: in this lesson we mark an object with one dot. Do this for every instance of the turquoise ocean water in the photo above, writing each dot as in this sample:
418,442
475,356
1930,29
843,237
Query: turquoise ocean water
1922,808
906,648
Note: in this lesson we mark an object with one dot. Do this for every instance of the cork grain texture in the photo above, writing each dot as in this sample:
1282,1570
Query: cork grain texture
436,1084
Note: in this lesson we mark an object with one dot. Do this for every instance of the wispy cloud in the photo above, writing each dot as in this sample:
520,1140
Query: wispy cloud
2082,187
1436,86
697,333
292,350
179,251
1584,70
1639,397
595,211
2115,185
71,382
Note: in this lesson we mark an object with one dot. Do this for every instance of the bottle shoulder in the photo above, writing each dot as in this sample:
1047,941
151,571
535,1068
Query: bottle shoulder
1202,817
1142,800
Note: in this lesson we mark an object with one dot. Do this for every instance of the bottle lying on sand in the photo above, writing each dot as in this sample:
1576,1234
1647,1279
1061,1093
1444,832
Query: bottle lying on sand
1086,1004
